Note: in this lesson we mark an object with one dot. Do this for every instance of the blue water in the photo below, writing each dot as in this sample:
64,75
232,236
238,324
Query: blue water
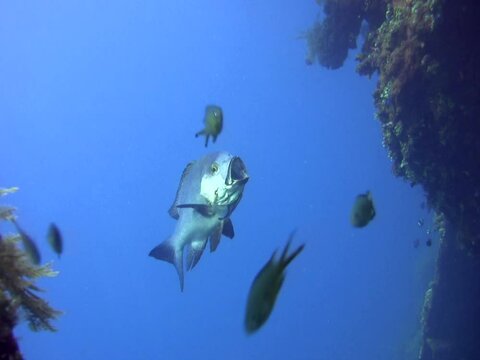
99,104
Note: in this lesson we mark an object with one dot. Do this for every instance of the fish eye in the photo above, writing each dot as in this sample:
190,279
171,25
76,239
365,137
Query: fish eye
214,168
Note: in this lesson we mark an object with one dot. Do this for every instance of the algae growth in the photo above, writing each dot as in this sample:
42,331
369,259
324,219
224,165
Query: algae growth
18,291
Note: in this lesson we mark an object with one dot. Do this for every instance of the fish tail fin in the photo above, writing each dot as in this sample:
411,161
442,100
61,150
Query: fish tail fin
286,259
289,241
167,252
292,256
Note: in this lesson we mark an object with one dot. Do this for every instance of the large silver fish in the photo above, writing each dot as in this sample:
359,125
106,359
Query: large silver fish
209,191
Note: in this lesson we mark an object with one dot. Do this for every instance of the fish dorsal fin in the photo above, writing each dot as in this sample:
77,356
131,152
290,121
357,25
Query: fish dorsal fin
227,229
173,209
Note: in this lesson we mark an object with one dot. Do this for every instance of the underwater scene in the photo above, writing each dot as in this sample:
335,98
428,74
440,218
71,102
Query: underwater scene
240,180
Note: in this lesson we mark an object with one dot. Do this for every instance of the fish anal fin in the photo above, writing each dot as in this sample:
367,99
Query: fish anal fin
215,238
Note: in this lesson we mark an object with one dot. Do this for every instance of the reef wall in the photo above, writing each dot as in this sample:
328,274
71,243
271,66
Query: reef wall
427,57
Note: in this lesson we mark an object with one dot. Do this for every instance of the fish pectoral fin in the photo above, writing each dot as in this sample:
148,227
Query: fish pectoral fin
173,212
227,228
166,252
205,210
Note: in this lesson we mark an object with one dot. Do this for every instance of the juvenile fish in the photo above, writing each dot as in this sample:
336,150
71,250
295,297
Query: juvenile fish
363,210
213,123
54,237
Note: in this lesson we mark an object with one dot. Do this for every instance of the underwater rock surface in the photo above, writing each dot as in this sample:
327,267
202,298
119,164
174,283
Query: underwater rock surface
427,57
451,312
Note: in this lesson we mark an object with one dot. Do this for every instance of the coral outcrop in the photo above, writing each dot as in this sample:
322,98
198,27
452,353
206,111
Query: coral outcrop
18,296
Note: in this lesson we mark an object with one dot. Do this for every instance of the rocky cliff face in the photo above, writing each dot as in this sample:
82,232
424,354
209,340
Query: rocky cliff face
427,56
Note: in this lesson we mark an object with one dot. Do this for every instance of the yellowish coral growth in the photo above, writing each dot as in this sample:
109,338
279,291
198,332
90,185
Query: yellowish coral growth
17,276
17,279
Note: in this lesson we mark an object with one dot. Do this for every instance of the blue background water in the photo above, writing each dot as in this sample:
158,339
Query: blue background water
99,102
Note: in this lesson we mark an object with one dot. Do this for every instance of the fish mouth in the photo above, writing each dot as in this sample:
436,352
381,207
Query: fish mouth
237,172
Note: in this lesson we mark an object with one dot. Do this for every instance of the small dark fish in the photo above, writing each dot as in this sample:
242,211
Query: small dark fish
213,123
266,286
55,240
363,210
429,242
420,222
416,243
28,244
